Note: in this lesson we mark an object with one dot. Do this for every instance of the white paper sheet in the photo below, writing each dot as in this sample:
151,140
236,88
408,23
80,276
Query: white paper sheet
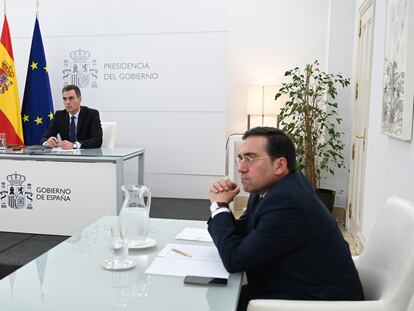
180,267
194,234
204,261
59,149
197,252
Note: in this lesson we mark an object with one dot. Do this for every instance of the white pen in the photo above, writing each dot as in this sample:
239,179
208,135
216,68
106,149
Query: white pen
181,252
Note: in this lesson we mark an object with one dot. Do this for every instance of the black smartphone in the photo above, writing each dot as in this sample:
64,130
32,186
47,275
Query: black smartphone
203,280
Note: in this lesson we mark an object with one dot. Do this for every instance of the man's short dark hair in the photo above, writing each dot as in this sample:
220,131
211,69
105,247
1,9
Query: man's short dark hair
71,87
279,144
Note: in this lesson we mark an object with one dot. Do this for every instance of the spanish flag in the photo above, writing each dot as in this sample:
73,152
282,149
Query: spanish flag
10,118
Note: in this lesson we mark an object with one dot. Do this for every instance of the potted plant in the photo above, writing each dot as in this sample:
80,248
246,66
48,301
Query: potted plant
311,118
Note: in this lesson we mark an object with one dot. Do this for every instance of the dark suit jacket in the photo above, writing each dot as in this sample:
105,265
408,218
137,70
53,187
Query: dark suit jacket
89,130
289,245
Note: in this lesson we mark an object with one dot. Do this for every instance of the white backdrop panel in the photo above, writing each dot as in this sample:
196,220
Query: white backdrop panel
180,72
175,143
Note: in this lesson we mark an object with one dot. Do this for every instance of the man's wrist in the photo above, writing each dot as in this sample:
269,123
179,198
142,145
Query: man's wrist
219,207
216,205
223,204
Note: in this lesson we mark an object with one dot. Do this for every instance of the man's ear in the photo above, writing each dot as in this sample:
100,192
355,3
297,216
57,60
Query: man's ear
280,166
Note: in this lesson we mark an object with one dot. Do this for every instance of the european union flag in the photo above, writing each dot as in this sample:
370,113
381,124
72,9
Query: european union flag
37,108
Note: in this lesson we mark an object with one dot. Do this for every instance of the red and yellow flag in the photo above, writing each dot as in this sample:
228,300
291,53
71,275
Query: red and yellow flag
10,118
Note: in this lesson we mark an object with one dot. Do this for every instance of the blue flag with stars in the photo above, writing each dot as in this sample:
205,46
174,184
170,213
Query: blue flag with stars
37,110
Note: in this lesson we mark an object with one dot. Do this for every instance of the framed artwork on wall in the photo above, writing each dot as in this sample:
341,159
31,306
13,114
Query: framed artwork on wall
398,89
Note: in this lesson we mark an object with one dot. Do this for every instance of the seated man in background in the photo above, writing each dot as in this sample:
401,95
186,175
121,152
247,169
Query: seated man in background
287,242
78,126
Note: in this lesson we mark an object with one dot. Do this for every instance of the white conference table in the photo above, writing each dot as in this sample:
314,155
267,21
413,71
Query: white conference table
61,192
70,277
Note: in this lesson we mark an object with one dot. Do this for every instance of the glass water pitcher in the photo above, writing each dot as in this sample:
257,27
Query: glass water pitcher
135,213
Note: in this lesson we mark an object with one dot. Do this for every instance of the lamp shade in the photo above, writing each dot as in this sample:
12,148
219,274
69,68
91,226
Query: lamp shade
262,109
255,100
261,100
270,106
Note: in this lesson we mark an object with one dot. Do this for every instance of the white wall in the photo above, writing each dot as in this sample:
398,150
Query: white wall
390,164
266,38
340,47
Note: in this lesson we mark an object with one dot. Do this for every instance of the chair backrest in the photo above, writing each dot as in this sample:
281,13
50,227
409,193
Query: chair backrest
109,134
386,267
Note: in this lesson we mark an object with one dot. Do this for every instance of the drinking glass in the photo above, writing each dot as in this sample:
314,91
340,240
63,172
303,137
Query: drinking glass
119,249
3,140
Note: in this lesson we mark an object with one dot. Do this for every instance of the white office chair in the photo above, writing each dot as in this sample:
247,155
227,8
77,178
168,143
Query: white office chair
109,134
386,267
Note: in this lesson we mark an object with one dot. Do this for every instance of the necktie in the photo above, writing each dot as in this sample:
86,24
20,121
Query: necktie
256,205
72,129
259,200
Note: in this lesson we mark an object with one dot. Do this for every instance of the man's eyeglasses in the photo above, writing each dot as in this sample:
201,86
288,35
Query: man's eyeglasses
249,160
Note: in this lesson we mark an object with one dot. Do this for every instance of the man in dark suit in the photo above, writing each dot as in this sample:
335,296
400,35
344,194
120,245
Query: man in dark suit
78,126
287,242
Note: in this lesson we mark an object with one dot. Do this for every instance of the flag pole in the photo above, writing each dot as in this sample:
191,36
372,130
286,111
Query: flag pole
5,8
37,9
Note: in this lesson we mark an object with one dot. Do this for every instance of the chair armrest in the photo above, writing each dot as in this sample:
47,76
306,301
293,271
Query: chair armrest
314,305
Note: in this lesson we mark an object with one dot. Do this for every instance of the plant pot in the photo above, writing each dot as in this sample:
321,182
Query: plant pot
327,197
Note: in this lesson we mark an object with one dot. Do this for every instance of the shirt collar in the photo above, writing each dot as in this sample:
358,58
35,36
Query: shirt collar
76,115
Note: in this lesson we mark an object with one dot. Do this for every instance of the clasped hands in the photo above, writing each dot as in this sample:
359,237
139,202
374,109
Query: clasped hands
54,142
223,190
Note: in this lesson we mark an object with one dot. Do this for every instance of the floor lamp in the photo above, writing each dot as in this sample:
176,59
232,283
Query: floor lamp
262,109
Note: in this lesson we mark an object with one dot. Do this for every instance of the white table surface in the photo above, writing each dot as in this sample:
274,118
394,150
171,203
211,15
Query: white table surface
70,277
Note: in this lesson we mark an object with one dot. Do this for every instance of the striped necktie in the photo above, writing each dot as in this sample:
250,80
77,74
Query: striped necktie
259,200
72,129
